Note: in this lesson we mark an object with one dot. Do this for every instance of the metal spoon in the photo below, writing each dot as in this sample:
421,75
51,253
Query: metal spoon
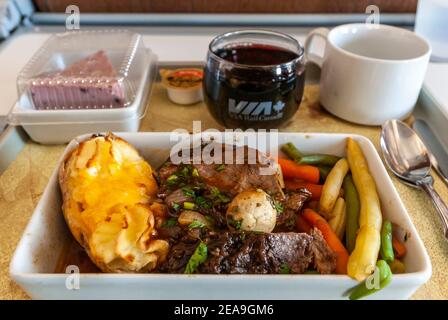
407,157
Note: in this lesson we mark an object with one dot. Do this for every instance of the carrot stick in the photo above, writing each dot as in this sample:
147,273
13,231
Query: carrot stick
302,225
291,169
317,221
399,248
315,189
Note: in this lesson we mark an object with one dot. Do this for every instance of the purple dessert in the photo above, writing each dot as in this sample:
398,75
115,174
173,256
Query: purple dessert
90,83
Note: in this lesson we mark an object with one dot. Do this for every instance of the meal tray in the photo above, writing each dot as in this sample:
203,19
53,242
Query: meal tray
39,250
23,182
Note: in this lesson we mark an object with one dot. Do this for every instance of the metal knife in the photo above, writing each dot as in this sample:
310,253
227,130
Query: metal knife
437,153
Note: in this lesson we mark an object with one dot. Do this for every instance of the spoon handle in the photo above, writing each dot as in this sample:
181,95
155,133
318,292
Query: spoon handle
441,207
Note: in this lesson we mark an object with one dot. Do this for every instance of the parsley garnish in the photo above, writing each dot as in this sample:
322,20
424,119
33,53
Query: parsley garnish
203,202
188,192
234,223
196,224
215,191
172,179
284,269
185,171
171,222
220,167
238,224
210,219
277,206
175,206
198,257
218,196
223,198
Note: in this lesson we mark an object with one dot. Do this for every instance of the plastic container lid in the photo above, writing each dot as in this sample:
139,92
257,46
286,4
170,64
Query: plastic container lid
84,70
138,76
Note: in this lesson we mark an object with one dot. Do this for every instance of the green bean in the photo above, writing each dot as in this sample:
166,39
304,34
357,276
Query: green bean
291,151
352,212
324,162
385,277
387,251
319,159
323,172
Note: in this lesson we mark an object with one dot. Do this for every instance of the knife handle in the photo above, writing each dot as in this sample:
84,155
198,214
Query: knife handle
440,174
441,208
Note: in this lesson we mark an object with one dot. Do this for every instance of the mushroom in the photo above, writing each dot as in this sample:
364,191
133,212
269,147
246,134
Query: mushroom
252,210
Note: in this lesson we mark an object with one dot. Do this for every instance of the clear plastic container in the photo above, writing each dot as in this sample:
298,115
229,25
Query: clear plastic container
84,70
136,71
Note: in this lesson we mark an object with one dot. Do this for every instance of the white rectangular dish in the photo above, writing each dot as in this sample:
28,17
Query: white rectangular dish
38,251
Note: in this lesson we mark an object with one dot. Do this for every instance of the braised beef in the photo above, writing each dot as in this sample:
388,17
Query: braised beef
166,170
238,253
211,187
324,257
235,178
255,253
177,197
181,252
245,172
170,233
294,201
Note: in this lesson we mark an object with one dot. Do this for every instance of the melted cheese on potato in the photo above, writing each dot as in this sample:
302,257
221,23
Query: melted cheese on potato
108,190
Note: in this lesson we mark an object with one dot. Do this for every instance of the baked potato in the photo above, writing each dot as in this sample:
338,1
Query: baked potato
109,205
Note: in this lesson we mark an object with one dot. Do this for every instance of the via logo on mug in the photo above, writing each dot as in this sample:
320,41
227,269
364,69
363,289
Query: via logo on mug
256,110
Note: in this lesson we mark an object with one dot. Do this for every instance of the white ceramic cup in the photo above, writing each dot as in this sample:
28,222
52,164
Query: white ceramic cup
369,73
